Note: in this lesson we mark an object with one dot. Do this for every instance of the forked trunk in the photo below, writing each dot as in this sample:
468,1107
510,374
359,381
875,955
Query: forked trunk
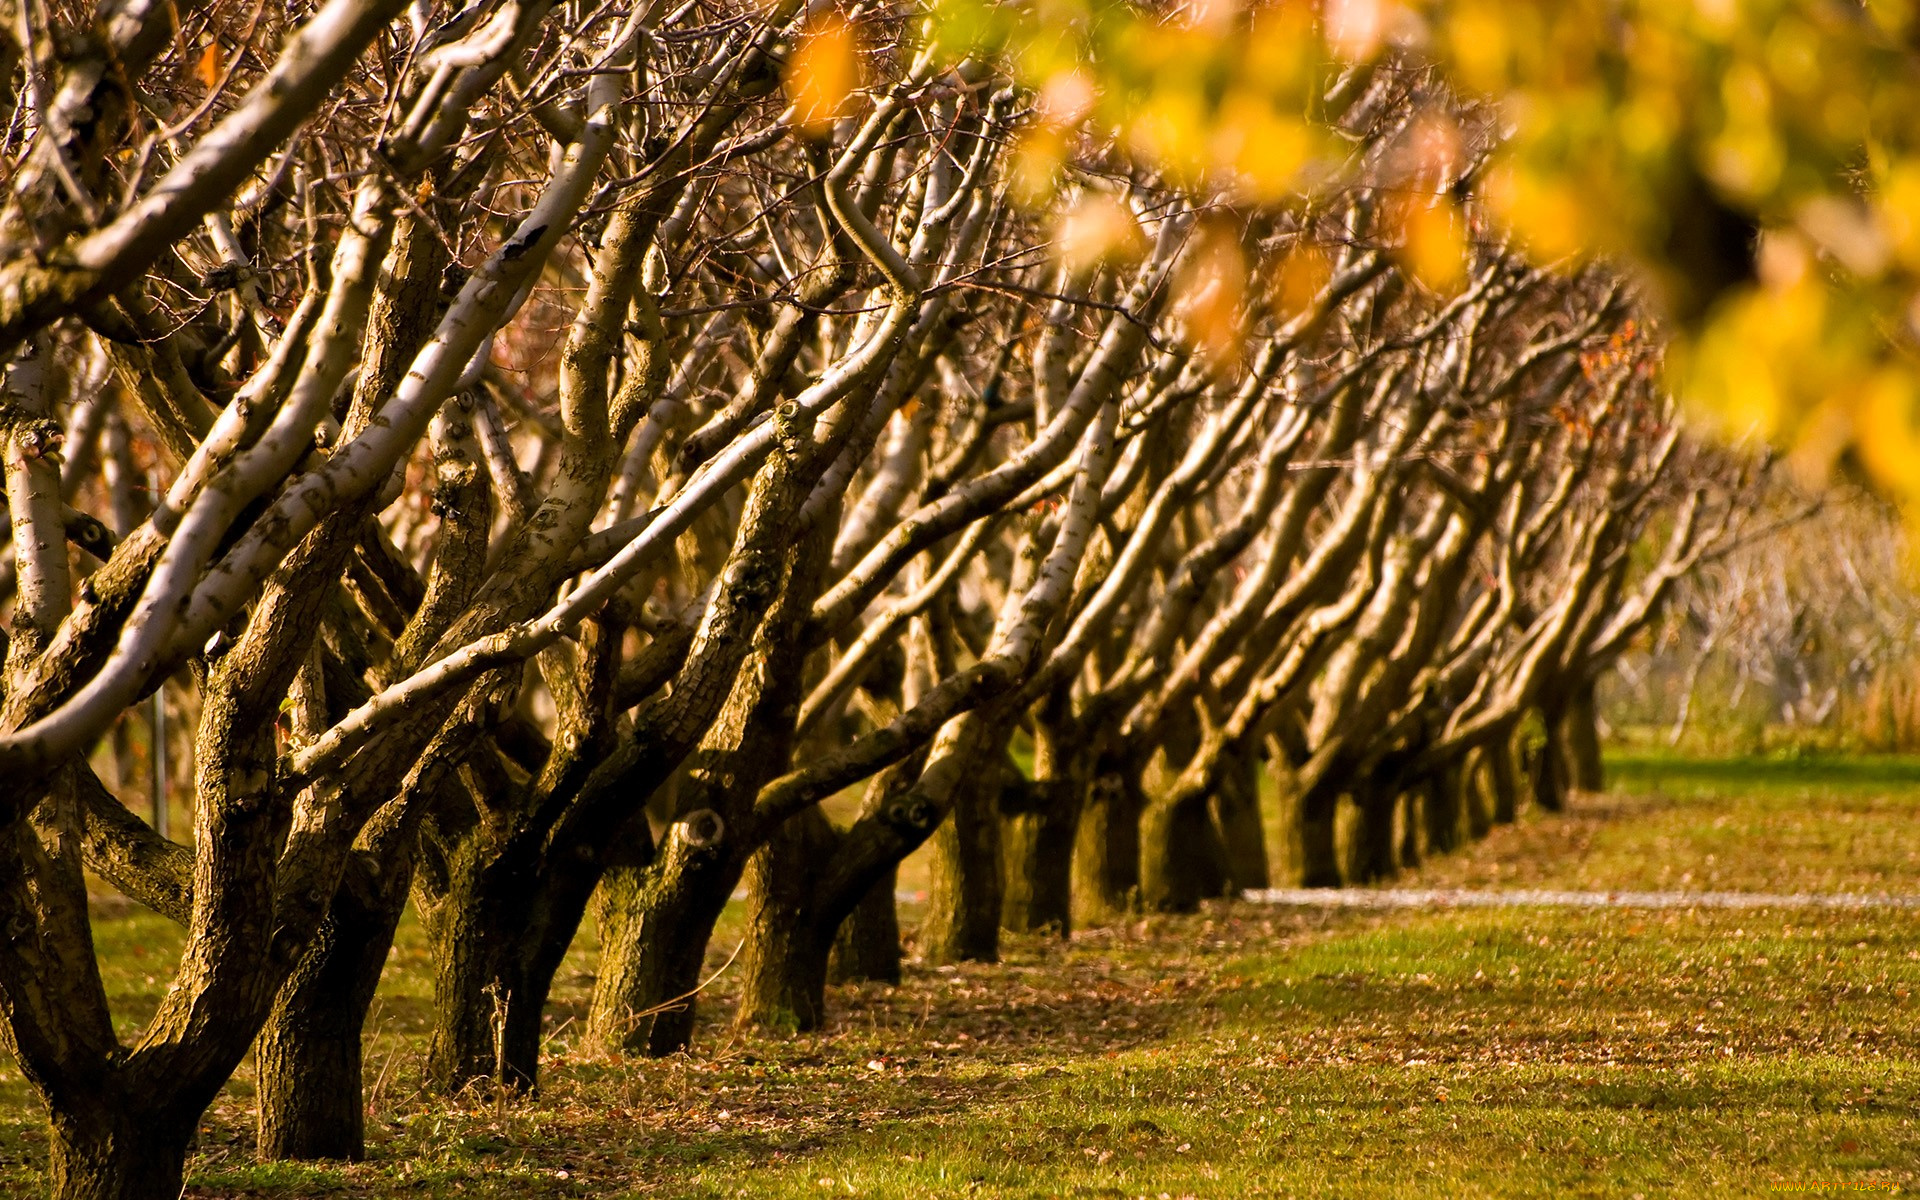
308,1055
111,1151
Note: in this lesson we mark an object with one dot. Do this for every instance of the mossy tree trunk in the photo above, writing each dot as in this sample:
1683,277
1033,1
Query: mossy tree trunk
867,947
783,984
1241,831
308,1055
963,917
109,1149
1106,847
655,923
1581,727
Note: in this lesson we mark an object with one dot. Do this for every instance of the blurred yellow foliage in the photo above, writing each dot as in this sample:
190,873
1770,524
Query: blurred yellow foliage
1097,229
822,72
1754,164
1210,292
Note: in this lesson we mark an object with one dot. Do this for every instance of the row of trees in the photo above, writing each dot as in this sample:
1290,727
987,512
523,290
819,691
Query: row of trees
558,445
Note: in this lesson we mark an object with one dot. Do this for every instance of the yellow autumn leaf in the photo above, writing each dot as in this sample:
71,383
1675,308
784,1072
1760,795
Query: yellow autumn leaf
1433,247
1098,229
1210,293
1298,279
822,71
207,70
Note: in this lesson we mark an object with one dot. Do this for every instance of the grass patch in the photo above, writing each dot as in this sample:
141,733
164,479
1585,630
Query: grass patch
1248,1051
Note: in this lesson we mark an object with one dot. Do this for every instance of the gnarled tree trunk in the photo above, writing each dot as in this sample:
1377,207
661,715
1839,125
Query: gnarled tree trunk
308,1053
109,1149
963,918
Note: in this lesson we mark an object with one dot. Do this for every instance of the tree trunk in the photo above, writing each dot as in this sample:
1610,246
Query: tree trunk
308,1053
1319,843
867,947
1581,726
784,985
500,921
1476,791
1242,834
1106,849
1377,858
1548,767
112,1151
486,1014
1414,808
1181,859
1038,850
1443,799
655,923
1501,780
963,921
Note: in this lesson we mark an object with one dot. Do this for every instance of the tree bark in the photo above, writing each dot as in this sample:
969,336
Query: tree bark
1581,728
1037,848
113,1151
963,920
784,985
1106,849
309,1052
655,924
867,947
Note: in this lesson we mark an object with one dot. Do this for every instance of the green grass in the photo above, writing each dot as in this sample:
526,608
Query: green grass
1251,1051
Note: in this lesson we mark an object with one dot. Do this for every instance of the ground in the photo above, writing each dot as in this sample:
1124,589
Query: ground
1248,1050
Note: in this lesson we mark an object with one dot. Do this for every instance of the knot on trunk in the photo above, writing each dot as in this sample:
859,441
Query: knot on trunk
912,814
703,828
